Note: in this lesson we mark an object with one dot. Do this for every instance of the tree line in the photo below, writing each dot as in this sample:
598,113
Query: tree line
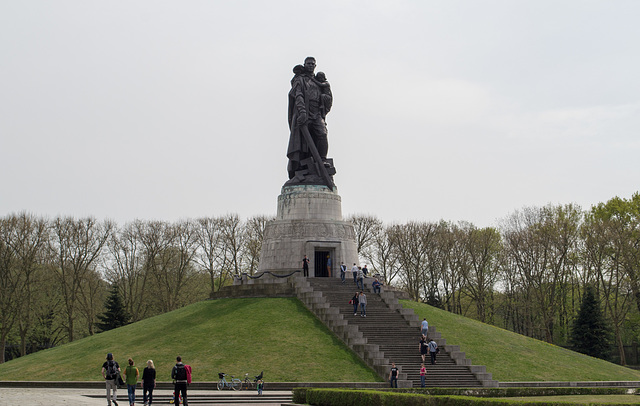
528,274
56,274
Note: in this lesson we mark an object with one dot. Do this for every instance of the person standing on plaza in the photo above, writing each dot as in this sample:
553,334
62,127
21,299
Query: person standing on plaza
343,271
131,375
179,376
305,266
362,298
110,373
148,382
329,266
393,375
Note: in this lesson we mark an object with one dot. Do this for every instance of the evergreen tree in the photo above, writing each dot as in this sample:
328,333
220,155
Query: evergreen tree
591,334
116,315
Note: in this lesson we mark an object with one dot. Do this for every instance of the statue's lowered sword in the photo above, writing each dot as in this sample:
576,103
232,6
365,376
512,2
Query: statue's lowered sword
316,157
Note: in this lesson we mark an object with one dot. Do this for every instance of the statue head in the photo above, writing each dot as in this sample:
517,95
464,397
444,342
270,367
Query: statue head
310,64
321,76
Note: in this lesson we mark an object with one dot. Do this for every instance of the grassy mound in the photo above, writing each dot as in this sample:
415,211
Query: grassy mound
512,357
235,336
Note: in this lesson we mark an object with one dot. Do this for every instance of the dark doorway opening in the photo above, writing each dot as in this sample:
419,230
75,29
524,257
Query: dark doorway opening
320,264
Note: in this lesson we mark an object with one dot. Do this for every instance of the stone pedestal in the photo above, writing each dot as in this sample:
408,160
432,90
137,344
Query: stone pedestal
309,222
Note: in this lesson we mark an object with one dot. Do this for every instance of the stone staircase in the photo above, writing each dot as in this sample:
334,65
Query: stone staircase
388,334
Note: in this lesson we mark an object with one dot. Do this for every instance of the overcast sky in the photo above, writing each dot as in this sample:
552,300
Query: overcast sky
454,110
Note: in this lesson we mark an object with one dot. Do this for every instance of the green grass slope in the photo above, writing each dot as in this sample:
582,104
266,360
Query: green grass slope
277,335
513,357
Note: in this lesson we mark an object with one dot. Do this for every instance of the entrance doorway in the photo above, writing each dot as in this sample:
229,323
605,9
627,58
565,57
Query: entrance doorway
320,264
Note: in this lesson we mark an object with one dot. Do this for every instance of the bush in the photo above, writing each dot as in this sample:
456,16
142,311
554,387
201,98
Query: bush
438,396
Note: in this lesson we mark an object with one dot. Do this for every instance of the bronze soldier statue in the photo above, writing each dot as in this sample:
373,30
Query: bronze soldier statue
310,100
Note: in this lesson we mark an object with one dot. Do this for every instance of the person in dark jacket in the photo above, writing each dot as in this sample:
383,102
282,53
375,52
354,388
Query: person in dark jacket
179,376
148,382
355,302
110,373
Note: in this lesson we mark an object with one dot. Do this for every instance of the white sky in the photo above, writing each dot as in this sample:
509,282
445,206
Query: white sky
455,110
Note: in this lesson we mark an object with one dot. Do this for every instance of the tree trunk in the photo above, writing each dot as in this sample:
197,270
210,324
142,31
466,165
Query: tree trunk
3,347
623,358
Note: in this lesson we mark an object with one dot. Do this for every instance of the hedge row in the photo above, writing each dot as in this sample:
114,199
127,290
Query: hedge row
512,392
408,397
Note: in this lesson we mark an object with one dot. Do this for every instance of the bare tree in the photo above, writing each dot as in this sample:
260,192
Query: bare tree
380,254
169,252
254,230
459,264
484,248
9,286
542,243
210,251
27,238
125,268
233,242
410,254
91,298
366,227
75,246
604,257
435,245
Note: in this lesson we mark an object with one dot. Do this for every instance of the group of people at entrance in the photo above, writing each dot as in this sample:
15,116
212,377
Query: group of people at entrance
114,376
359,274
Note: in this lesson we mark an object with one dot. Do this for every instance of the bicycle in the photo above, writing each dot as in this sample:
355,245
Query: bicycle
248,383
235,383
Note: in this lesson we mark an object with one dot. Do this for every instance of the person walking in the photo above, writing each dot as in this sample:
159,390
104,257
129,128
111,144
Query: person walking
110,373
424,328
423,376
343,271
179,376
131,375
433,350
148,382
424,347
354,301
393,375
360,282
354,271
362,298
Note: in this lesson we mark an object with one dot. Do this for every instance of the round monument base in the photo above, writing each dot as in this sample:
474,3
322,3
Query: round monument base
309,222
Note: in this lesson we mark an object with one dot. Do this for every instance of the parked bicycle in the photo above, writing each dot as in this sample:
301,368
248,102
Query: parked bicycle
234,383
248,383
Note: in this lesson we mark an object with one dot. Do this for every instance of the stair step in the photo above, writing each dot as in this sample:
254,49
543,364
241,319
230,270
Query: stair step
394,330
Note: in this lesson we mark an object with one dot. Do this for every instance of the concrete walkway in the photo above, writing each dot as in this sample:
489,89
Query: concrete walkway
96,397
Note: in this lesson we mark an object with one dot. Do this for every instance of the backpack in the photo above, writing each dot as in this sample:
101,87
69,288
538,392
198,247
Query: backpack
112,370
181,373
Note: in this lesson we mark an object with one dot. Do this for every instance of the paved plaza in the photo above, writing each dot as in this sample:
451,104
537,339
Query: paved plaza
93,397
